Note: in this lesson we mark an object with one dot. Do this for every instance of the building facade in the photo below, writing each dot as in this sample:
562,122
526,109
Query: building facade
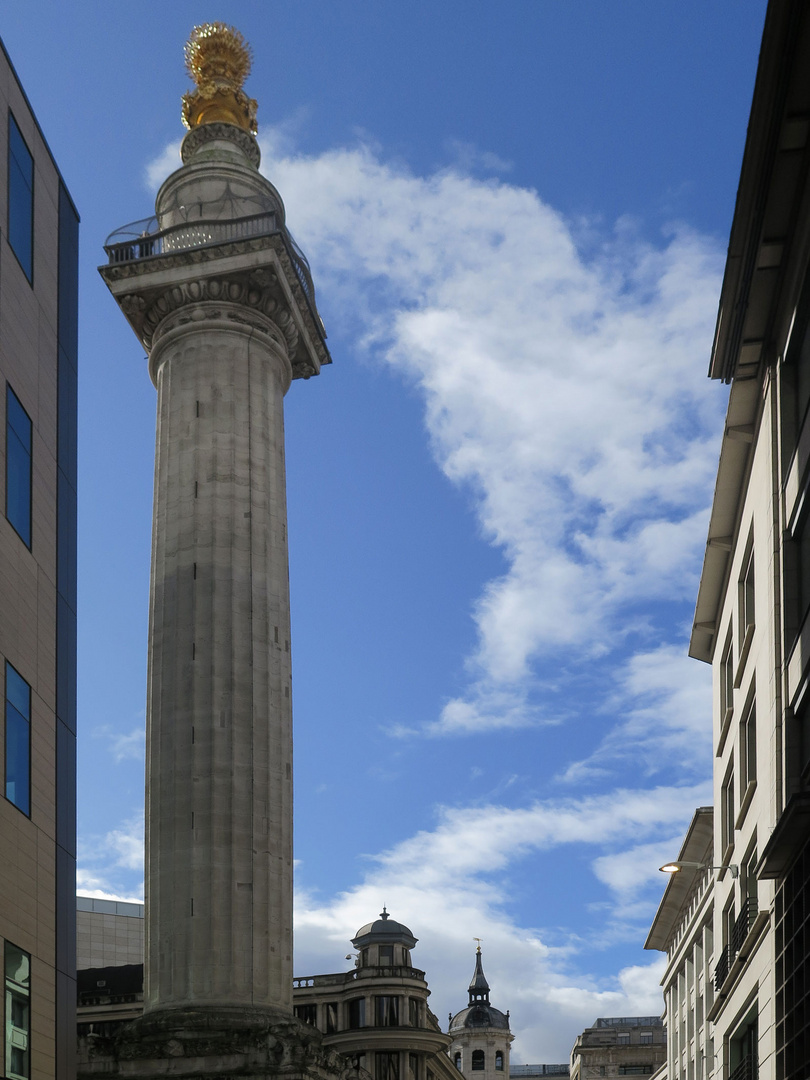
480,1032
751,617
38,386
619,1046
683,928
376,1015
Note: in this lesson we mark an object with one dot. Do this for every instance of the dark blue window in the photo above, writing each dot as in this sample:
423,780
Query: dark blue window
18,740
20,199
18,466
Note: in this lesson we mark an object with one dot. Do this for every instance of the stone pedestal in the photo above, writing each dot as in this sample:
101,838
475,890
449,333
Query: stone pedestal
218,1046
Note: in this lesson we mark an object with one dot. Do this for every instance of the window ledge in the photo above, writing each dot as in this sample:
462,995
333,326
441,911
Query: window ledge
725,724
745,648
746,802
725,862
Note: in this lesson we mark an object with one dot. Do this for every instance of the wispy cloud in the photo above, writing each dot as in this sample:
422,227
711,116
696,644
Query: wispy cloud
124,746
453,882
566,392
111,865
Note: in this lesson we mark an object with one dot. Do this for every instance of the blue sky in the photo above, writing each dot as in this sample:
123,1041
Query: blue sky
516,214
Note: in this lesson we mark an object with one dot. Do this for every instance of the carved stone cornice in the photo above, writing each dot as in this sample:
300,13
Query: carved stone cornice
198,136
138,272
247,293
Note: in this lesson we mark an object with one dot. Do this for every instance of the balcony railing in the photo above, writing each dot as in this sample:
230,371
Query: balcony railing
739,932
748,1069
358,973
144,239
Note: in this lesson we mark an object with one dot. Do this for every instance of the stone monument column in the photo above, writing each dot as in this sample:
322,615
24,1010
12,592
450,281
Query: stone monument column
223,302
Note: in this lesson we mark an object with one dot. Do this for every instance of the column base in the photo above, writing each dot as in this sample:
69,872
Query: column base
213,1044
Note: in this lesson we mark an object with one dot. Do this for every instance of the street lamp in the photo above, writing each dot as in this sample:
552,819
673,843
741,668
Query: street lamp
674,867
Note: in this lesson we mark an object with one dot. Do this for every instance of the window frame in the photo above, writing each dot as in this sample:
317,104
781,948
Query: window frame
11,156
8,703
11,432
9,991
727,813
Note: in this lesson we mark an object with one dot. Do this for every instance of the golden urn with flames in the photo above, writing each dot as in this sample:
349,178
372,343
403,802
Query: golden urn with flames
218,59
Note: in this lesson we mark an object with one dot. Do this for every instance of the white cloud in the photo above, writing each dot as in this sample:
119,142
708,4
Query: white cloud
105,864
158,169
452,883
568,394
124,746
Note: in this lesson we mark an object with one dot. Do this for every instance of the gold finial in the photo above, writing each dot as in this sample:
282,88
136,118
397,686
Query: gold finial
218,60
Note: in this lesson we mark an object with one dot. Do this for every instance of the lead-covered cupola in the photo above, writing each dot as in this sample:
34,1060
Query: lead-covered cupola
480,1032
384,943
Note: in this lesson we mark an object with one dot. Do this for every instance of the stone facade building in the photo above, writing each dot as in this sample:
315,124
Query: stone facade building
38,387
619,1046
683,928
751,620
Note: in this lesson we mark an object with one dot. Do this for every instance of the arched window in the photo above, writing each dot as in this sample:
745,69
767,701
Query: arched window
478,1061
457,1060
499,1061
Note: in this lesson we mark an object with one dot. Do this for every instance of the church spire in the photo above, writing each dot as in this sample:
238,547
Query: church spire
479,987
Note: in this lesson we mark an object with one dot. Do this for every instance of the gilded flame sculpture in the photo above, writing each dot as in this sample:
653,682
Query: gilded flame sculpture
218,59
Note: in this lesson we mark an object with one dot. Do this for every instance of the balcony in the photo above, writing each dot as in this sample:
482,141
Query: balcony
739,932
342,977
204,225
748,1069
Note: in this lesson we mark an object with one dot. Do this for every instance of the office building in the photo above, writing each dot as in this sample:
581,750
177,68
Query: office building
38,363
751,617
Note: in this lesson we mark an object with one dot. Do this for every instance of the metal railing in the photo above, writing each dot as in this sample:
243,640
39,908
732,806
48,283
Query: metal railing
341,977
739,932
144,239
748,1069
722,967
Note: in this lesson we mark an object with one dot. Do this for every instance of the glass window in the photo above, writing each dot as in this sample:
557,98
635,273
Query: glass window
386,955
307,1014
746,595
387,1066
727,678
18,466
499,1061
457,1060
18,740
387,1010
331,1008
18,1013
357,1013
727,811
20,199
748,747
478,1061
413,1012
413,1067
623,1038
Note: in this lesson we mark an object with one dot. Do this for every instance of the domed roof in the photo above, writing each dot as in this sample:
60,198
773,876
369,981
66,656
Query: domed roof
480,1015
384,930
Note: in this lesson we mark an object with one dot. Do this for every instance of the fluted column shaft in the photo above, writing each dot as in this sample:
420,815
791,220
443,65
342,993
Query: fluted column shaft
219,738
